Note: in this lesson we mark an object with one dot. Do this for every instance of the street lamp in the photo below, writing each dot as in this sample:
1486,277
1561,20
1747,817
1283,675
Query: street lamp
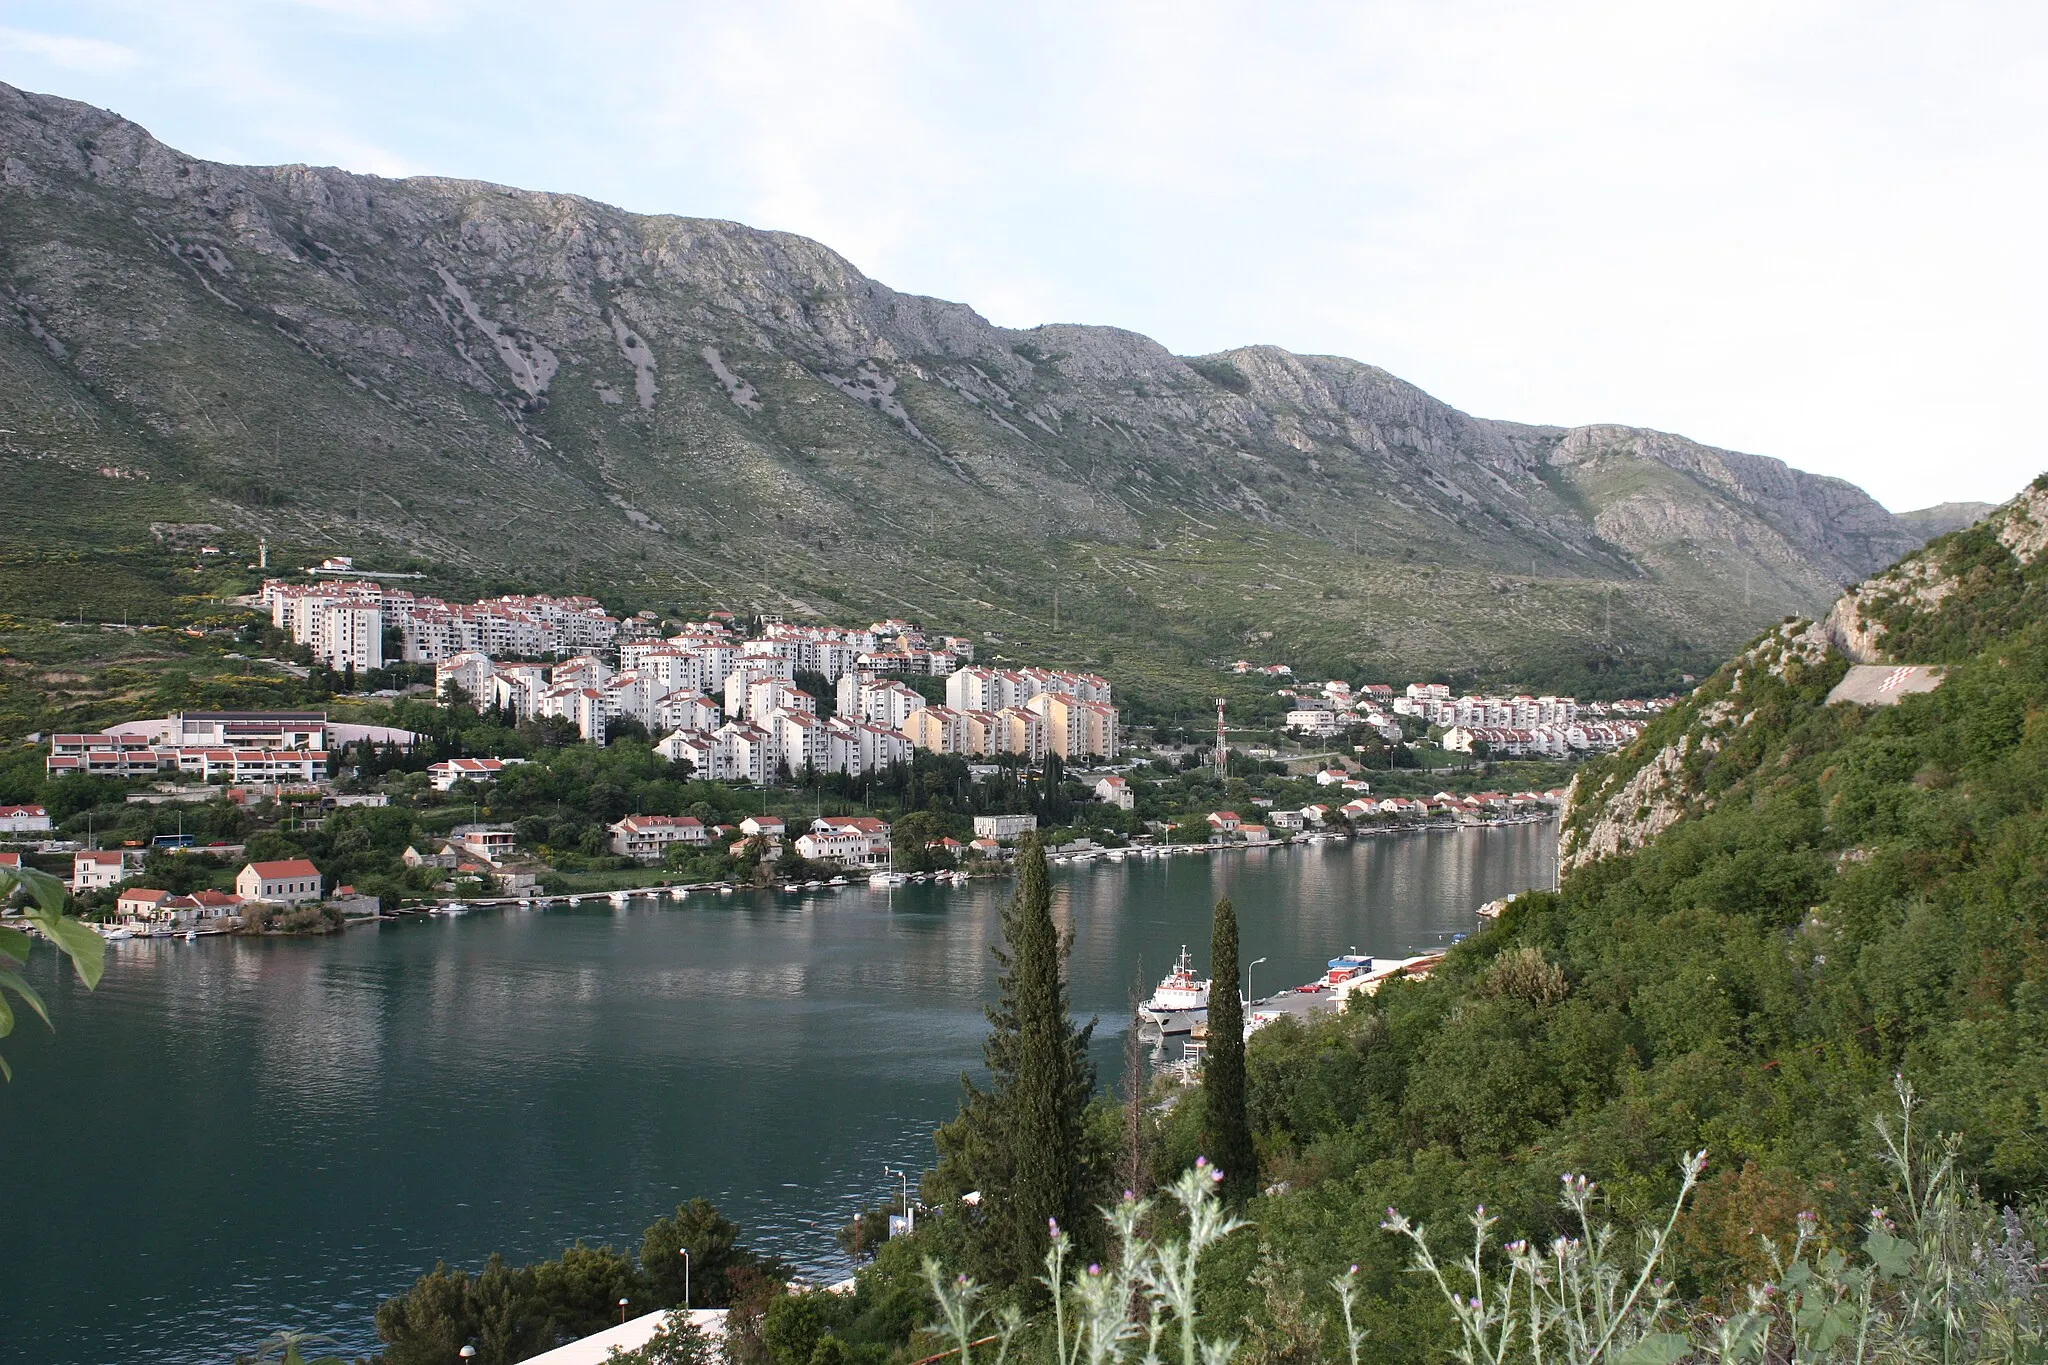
1248,978
622,1311
685,1253
468,1353
909,1213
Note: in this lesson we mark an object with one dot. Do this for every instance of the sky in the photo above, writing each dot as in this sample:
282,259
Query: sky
1807,230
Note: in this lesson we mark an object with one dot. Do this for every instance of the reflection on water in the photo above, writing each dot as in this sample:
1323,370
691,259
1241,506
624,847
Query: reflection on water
232,1137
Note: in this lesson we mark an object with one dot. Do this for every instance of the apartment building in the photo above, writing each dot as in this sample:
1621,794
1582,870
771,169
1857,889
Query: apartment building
646,838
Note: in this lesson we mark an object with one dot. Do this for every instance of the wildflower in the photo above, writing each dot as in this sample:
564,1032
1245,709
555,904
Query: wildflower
1216,1176
1200,1162
1052,1225
1094,1268
1516,1247
1352,1271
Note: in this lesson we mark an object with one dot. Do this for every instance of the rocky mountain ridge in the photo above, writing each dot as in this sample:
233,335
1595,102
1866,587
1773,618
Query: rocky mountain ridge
1936,605
540,388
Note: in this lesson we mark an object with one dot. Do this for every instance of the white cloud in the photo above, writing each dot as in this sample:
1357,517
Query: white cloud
69,53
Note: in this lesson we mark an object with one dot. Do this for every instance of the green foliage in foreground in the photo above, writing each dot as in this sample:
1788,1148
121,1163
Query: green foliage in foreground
43,908
1945,1276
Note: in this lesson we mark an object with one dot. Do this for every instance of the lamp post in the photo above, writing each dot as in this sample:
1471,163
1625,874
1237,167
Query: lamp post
685,1253
468,1353
1248,978
622,1311
909,1214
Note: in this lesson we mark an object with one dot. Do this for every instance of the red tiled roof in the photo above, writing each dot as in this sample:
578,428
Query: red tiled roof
283,868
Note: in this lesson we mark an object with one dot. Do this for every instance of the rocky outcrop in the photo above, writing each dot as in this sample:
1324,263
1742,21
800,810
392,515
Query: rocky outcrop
1947,585
2023,523
1625,805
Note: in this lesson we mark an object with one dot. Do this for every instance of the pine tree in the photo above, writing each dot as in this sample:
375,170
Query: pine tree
1021,1142
1227,1130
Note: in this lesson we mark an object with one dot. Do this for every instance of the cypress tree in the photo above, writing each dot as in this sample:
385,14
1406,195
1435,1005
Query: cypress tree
1227,1129
1021,1142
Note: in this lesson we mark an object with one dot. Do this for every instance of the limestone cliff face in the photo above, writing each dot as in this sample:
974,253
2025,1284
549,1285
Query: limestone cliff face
1922,580
1627,802
527,382
1624,803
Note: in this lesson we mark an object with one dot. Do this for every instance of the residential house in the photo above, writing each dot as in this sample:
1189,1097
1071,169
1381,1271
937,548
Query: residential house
1003,826
24,820
98,869
860,841
412,857
646,838
492,843
449,771
286,881
1114,790
140,902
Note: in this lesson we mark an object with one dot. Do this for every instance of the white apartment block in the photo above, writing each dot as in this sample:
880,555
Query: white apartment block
472,671
684,709
748,671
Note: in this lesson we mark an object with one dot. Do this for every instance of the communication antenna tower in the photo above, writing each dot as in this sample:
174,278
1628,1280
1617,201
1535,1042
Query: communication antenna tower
1222,749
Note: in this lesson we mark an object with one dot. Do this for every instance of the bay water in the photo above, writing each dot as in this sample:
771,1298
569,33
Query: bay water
234,1136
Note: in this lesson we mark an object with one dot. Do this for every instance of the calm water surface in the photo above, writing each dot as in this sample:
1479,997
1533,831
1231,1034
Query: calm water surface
230,1137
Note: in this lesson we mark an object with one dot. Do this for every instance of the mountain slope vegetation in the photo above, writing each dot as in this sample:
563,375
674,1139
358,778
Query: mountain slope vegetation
1835,895
507,388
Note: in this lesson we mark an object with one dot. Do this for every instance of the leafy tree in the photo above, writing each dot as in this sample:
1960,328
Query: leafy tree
910,840
1229,1130
1022,1143
713,1242
43,908
677,1341
795,1324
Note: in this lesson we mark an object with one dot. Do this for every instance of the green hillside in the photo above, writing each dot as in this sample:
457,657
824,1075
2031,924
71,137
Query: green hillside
1845,894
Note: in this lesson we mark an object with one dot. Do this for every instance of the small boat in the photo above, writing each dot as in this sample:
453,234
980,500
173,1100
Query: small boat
725,890
117,934
191,936
837,881
1181,1001
621,897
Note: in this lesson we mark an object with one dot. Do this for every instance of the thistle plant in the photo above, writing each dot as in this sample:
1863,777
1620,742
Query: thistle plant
1949,1281
1119,1314
1573,1301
